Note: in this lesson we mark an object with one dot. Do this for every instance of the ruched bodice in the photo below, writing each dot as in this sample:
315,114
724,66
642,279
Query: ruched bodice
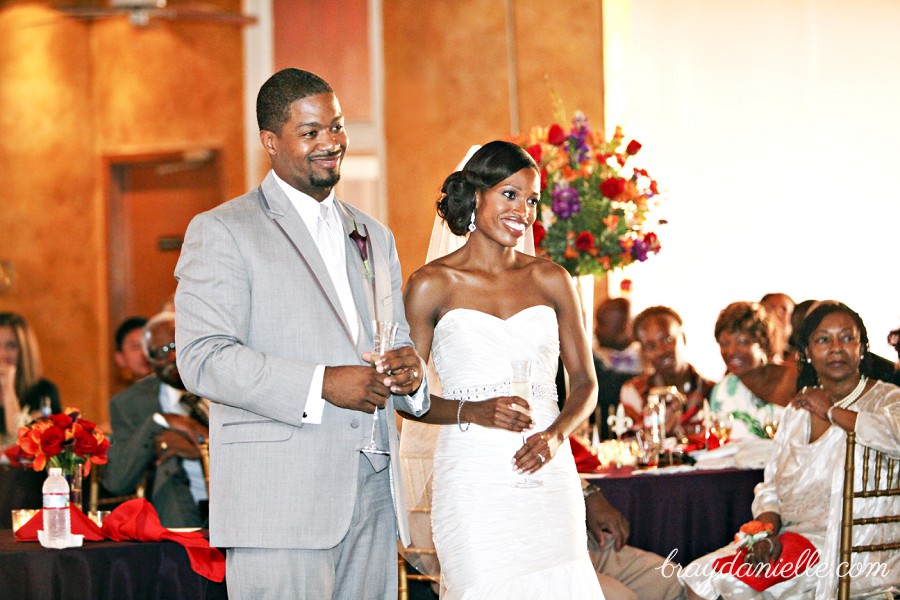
496,540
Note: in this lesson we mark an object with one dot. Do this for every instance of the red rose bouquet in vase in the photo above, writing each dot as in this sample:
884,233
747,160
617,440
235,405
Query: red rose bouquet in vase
63,440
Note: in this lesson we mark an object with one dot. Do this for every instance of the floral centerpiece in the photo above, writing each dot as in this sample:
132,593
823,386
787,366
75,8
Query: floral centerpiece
594,213
64,440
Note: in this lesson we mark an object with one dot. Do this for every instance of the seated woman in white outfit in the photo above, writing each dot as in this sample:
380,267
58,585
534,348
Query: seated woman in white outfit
801,492
474,311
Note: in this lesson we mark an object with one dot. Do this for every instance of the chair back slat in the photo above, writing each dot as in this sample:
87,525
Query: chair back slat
879,477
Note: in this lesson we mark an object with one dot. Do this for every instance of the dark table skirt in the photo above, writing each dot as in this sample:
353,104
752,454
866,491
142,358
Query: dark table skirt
692,513
100,571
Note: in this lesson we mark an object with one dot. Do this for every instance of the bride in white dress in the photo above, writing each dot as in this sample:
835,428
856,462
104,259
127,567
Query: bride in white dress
476,310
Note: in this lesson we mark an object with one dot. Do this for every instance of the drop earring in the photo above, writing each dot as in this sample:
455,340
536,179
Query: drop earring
472,222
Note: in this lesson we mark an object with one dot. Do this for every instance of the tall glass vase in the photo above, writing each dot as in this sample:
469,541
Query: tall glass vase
75,479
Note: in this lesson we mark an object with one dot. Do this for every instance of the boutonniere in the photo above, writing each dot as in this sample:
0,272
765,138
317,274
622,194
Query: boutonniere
362,244
361,240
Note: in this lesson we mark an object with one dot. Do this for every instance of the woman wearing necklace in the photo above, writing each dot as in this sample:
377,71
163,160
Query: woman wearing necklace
801,491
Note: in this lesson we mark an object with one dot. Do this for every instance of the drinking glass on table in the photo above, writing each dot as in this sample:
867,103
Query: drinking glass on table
771,425
520,385
383,333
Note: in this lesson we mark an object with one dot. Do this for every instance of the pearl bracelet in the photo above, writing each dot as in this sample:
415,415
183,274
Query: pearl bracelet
459,416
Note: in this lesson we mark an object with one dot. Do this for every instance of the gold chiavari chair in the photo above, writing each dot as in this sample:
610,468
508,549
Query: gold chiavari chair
880,476
95,502
403,571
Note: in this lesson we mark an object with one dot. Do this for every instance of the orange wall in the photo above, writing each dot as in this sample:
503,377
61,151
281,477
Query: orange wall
446,88
73,92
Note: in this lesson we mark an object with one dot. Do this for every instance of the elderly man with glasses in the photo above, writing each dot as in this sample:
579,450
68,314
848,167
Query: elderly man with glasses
157,430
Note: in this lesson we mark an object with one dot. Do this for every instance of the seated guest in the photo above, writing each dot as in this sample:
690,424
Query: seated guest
625,573
743,333
617,356
129,356
157,429
779,307
894,340
799,497
658,331
22,388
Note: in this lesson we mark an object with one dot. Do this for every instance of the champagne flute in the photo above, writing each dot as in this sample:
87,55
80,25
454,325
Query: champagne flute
520,385
383,333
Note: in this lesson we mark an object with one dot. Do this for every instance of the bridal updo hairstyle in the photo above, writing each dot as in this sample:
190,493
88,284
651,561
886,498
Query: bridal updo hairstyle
812,320
491,164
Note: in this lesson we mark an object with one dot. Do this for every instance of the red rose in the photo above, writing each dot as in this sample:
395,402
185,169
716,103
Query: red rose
633,147
85,442
584,241
52,440
652,241
61,420
539,233
625,285
556,135
535,151
544,179
612,187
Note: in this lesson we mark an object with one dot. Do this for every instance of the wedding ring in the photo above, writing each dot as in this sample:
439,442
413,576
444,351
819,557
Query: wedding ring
541,456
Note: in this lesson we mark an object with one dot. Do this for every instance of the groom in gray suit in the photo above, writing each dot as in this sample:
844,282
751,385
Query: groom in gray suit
277,291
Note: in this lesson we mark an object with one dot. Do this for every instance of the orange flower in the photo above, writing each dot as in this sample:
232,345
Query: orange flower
753,527
570,252
611,221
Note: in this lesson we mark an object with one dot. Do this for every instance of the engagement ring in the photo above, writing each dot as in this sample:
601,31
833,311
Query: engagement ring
541,456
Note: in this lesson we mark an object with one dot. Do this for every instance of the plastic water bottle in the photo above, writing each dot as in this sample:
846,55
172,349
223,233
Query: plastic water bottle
56,510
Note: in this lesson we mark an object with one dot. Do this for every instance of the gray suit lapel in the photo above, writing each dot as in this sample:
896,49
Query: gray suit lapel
360,284
279,208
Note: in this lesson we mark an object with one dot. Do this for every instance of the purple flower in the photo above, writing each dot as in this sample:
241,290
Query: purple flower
578,147
566,201
639,250
361,240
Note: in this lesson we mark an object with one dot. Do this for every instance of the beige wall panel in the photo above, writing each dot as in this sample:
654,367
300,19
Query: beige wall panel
168,86
562,44
445,89
71,93
48,224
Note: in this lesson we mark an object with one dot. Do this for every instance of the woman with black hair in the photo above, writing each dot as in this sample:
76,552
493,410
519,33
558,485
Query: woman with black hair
474,311
801,492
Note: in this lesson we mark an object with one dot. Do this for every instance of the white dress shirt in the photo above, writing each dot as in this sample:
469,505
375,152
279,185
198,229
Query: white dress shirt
335,257
170,402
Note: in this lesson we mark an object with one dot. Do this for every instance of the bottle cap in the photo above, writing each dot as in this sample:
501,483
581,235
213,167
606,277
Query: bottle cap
55,471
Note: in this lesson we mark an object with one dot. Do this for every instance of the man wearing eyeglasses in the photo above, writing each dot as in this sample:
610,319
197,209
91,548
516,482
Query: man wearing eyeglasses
157,430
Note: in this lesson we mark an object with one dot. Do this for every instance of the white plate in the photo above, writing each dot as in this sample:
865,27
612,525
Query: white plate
183,529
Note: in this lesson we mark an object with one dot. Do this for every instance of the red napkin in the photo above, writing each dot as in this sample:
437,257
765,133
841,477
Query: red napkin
81,525
697,441
137,520
585,461
797,555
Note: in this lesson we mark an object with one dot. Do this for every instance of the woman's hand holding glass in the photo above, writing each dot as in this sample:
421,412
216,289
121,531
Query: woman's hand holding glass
505,412
537,451
402,366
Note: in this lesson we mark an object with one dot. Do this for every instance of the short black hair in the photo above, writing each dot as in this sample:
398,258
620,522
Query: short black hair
273,103
653,311
747,317
127,326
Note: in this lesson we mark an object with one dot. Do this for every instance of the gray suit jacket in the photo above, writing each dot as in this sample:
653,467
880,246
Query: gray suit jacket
132,453
256,311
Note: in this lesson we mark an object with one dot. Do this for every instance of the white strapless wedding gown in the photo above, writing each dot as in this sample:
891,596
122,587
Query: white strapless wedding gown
495,540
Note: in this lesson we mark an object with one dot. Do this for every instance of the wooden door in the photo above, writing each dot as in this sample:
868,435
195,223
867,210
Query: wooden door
152,198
